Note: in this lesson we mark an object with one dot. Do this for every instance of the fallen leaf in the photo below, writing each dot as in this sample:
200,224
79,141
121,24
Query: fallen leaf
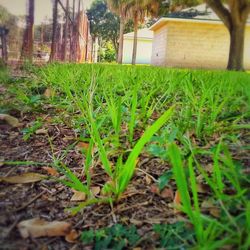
51,171
82,145
68,138
177,202
203,188
167,193
72,236
208,206
41,131
209,168
136,222
215,211
148,180
154,189
23,178
49,93
95,190
39,228
12,121
177,198
78,196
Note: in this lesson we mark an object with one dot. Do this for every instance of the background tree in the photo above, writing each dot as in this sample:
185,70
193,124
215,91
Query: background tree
234,16
54,30
103,23
15,34
28,39
140,9
120,7
106,25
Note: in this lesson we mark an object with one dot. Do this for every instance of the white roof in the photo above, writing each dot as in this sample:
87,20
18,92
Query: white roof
142,33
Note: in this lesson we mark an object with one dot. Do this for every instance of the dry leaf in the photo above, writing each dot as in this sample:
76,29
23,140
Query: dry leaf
209,168
136,222
82,145
95,190
154,189
41,131
12,121
78,196
148,180
68,138
167,193
177,198
51,171
39,228
72,236
23,178
49,93
215,211
203,188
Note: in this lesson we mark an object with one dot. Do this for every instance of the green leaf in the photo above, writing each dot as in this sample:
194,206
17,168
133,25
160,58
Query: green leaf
164,179
129,167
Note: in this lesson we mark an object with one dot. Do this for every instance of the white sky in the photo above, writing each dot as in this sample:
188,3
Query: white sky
43,8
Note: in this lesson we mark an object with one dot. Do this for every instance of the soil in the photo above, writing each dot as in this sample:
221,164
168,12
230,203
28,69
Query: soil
141,205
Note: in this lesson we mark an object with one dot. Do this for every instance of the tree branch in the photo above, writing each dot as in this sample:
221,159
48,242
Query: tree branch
222,12
245,12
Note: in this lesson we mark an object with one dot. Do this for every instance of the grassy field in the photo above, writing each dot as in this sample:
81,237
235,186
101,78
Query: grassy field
195,123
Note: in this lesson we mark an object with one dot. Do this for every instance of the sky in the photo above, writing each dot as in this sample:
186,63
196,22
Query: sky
43,8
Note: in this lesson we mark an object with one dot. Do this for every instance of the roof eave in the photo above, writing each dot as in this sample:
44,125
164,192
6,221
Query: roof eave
164,20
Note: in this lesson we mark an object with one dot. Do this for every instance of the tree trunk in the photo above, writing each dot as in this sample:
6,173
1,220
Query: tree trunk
27,49
116,49
54,29
135,39
4,48
65,39
236,52
120,51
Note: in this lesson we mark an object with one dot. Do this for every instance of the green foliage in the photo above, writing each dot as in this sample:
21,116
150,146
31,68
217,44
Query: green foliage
114,105
209,231
107,53
29,131
116,237
165,178
103,23
174,236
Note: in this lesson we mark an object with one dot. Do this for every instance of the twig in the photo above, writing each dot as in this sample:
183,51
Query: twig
149,175
29,202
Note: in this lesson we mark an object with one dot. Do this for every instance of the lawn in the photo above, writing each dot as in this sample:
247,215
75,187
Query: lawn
126,157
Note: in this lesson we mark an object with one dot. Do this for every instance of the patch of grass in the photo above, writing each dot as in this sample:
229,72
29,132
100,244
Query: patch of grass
126,112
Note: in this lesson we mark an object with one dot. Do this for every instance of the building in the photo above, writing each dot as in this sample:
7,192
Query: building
194,38
144,47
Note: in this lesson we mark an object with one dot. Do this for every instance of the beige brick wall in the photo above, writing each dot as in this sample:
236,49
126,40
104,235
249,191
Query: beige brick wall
197,45
159,47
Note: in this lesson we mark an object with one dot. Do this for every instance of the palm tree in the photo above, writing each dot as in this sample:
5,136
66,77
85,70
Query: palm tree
120,7
139,9
27,48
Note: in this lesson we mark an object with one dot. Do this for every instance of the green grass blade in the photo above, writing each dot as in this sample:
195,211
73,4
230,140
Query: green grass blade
129,167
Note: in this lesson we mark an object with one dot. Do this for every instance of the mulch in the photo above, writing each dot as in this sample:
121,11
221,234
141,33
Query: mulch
49,199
